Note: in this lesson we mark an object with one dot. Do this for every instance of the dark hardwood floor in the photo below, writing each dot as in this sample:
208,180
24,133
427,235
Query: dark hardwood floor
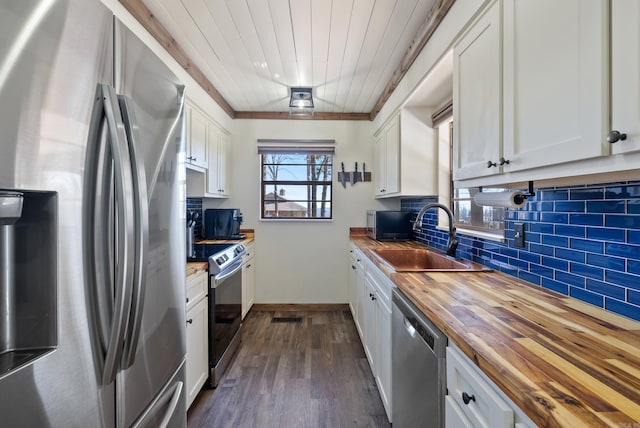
293,375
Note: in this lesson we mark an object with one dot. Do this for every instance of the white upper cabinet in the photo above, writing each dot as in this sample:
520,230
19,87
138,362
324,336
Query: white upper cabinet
531,90
406,156
207,157
477,92
386,174
196,137
555,81
625,74
218,157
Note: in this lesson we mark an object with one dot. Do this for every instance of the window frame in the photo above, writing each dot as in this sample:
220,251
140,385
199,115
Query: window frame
328,182
465,228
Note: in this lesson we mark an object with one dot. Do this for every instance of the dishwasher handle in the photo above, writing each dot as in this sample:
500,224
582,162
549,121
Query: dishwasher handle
413,327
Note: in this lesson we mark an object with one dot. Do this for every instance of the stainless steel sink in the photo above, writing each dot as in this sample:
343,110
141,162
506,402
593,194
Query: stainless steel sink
424,260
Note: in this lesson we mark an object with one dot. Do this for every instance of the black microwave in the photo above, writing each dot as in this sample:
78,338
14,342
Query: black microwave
389,225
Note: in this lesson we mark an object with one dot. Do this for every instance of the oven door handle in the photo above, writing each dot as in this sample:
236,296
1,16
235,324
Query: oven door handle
233,269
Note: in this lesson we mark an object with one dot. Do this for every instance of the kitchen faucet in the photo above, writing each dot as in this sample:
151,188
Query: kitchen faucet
452,243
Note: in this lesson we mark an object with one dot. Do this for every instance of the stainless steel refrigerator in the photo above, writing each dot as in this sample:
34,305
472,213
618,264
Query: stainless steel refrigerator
92,323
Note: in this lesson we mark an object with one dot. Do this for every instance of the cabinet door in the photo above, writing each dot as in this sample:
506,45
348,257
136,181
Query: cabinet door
392,157
369,325
625,74
197,344
383,353
248,286
380,171
477,83
223,160
197,147
353,285
555,81
213,185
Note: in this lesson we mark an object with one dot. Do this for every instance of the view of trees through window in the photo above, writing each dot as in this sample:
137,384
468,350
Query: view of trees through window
471,216
297,185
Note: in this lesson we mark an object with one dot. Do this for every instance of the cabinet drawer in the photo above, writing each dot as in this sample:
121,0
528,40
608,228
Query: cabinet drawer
248,253
485,408
382,284
196,288
453,416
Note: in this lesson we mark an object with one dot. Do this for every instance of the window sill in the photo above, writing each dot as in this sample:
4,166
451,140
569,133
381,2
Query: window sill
296,220
477,234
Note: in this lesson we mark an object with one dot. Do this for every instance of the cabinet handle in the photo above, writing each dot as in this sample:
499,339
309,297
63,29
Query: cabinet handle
615,136
503,161
187,300
190,321
490,164
468,398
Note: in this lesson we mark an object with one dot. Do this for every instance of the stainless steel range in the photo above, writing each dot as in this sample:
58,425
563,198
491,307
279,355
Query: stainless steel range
225,303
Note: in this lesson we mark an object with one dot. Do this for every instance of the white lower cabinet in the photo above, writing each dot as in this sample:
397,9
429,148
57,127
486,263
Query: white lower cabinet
355,272
371,310
473,400
248,281
197,364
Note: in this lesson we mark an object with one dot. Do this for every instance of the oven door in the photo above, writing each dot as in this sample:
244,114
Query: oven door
225,309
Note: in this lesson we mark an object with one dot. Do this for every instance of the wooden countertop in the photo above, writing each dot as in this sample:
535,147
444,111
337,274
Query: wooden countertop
195,267
565,363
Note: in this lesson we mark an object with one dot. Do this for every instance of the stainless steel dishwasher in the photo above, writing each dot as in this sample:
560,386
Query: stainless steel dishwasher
418,367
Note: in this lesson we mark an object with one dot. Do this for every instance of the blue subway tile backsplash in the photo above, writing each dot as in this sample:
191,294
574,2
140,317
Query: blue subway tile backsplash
581,241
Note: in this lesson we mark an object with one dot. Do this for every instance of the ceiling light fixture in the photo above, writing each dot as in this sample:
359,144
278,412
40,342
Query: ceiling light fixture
301,102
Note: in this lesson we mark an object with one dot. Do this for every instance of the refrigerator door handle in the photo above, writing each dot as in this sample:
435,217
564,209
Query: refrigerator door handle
141,201
115,311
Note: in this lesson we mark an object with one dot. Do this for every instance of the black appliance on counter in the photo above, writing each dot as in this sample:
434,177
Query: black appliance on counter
389,225
222,223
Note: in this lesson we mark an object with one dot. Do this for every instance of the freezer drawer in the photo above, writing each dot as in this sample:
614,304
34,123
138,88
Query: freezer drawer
169,408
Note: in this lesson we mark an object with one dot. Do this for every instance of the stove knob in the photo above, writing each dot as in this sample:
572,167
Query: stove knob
220,260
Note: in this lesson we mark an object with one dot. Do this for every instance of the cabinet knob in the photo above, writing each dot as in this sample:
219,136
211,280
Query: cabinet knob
353,267
187,300
190,321
490,164
503,161
468,398
615,136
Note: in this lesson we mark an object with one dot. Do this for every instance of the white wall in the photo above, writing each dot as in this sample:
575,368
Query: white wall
302,261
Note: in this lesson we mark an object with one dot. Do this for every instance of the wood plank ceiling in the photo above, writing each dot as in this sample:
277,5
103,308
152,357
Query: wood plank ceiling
352,53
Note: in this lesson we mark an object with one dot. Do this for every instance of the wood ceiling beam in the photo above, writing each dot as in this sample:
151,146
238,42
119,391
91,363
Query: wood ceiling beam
138,9
433,20
316,115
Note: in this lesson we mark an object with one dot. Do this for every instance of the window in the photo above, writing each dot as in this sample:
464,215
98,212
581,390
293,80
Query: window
296,181
468,215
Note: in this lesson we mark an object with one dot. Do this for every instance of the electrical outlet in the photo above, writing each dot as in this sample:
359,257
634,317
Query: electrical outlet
519,235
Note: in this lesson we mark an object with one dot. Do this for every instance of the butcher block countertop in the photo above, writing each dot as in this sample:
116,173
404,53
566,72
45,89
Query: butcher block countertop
565,363
195,267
